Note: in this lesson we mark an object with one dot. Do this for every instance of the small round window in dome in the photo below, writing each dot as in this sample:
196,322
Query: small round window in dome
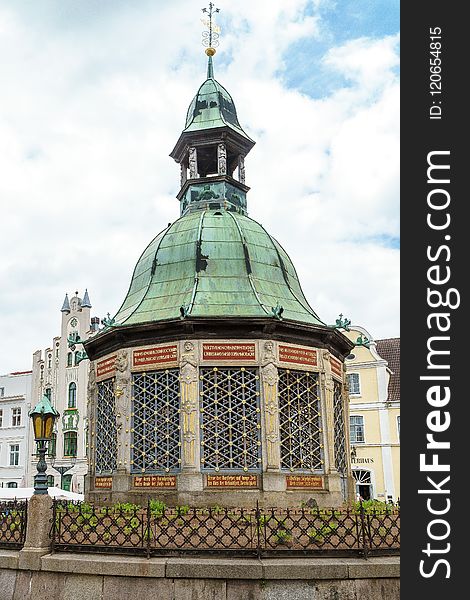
350,357
217,214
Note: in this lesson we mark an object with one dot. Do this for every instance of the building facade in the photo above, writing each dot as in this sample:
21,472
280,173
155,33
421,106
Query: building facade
15,402
373,373
60,372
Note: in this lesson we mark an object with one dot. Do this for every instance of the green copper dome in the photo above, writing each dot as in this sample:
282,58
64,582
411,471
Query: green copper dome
214,263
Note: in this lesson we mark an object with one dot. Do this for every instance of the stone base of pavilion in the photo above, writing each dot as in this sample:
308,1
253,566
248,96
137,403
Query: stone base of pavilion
243,490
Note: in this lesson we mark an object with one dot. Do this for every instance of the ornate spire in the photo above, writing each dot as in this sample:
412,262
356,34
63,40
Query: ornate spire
86,300
66,305
210,37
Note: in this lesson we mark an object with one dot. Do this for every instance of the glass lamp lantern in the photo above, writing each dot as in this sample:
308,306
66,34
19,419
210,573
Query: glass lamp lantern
43,417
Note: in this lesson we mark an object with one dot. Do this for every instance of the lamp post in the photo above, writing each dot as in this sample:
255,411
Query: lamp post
43,416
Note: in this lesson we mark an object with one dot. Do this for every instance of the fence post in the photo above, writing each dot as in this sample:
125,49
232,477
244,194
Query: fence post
148,528
365,546
37,540
258,530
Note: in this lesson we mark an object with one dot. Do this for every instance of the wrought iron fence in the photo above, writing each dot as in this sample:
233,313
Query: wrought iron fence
13,516
160,531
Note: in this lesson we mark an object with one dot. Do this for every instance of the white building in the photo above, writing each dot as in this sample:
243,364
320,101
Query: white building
15,403
61,373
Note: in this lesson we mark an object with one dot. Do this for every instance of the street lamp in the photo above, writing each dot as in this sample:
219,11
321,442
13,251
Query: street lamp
43,416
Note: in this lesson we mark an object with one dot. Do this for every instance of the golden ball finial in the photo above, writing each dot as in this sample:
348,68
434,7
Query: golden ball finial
210,51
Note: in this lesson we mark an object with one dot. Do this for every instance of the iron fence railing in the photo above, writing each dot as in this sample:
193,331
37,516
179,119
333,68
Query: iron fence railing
13,515
160,531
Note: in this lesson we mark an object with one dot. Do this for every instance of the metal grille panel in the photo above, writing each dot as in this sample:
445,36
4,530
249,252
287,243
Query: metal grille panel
106,429
340,433
300,421
230,419
156,445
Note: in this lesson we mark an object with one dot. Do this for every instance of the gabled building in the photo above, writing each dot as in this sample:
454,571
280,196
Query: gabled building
373,373
61,373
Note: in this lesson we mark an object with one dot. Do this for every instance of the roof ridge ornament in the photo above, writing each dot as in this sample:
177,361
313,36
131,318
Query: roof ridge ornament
210,37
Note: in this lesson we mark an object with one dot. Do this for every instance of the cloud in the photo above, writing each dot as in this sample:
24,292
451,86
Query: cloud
93,101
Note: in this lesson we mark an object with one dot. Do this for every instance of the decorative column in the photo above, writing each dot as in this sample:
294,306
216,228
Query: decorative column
241,168
327,383
221,159
184,174
123,402
193,172
190,479
273,479
92,389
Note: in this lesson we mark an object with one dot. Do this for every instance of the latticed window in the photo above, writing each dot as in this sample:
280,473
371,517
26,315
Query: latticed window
300,420
156,445
230,419
339,431
106,429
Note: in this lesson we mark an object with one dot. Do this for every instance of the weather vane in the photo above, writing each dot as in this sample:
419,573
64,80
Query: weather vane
210,38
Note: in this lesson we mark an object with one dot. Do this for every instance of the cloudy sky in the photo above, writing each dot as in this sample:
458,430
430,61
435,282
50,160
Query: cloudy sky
93,97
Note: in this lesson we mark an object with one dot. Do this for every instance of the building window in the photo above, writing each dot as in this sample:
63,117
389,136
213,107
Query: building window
52,445
155,443
356,429
398,427
230,419
12,484
77,358
69,359
50,481
70,443
354,385
49,361
300,420
2,392
14,455
48,393
1,418
16,417
106,428
72,395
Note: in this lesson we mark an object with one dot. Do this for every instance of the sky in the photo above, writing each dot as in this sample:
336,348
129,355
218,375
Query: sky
93,97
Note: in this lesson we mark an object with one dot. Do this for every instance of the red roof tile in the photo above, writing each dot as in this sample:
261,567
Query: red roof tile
389,349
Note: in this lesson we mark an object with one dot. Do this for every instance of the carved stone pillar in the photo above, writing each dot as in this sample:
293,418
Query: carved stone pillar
193,171
92,390
327,384
122,396
241,168
270,377
184,174
189,407
190,479
221,159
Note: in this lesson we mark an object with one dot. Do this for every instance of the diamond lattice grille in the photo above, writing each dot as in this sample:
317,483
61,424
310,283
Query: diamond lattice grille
156,443
300,421
340,436
230,419
106,430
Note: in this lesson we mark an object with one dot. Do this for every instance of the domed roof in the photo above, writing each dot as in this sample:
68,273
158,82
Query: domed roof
211,107
214,263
